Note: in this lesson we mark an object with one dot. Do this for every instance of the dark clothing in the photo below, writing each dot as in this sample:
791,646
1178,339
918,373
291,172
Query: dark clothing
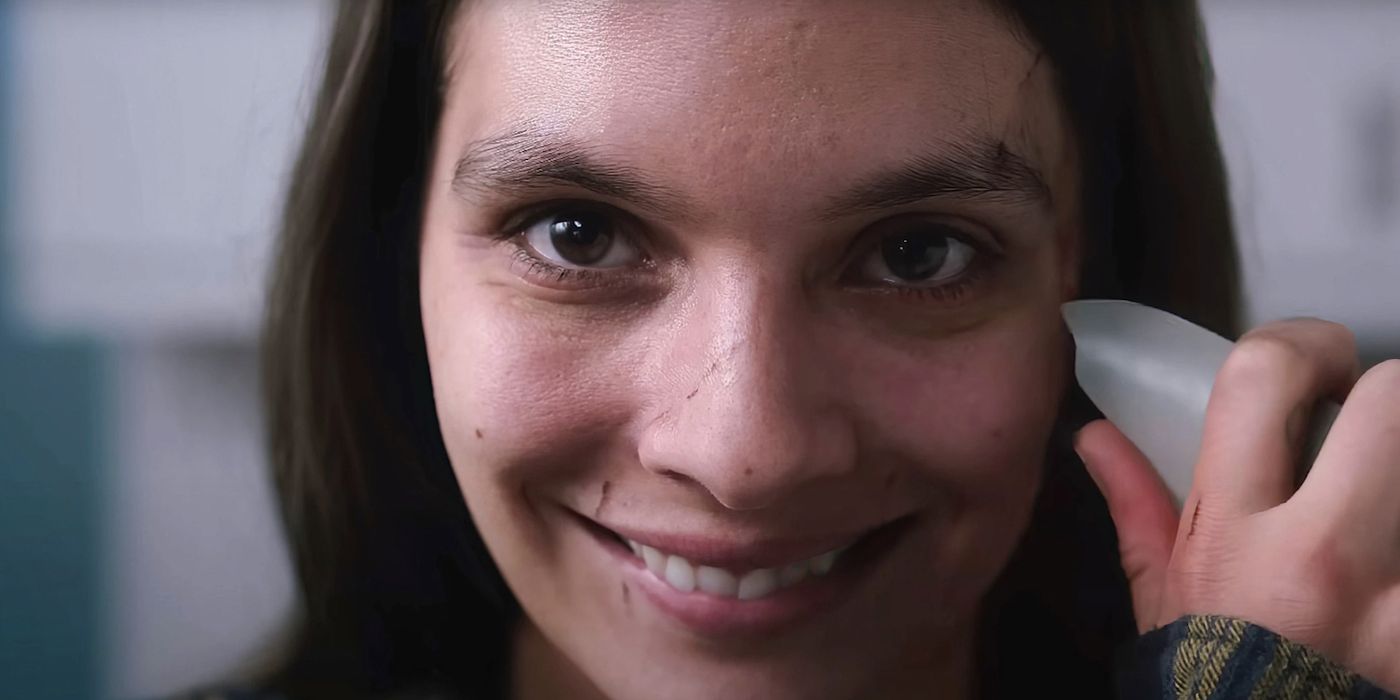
1221,658
1194,658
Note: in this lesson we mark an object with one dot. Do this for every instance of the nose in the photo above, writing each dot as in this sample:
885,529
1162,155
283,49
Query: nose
756,413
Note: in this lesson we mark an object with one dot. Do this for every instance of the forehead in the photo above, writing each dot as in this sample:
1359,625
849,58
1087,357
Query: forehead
760,89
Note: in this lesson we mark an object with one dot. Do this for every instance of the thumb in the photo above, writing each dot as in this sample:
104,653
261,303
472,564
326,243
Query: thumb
1142,509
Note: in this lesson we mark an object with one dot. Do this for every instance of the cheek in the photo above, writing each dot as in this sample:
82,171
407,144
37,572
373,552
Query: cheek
516,392
518,406
974,414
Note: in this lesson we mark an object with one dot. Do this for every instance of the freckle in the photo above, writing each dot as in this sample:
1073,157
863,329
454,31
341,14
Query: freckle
478,433
748,471
626,596
889,479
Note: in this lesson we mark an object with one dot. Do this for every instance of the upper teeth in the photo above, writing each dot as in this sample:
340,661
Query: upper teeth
684,576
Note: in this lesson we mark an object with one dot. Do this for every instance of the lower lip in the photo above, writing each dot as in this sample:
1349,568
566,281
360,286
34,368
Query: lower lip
724,617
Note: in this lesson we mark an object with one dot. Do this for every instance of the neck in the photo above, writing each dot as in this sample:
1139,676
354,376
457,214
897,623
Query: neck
540,672
928,671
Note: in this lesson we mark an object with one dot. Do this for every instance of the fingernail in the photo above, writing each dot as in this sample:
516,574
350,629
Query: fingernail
1085,459
1077,444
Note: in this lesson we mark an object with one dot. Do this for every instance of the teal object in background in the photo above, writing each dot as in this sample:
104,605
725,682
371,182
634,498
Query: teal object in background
52,395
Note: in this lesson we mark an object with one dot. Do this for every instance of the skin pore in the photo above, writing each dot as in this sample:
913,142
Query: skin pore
752,280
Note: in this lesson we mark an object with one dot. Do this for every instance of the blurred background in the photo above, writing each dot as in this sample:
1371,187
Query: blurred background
144,145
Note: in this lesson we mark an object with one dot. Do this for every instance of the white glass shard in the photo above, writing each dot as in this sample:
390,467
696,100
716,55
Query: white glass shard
1151,374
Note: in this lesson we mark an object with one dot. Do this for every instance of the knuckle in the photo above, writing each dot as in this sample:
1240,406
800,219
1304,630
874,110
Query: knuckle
1383,378
1377,394
1263,356
1334,333
1340,333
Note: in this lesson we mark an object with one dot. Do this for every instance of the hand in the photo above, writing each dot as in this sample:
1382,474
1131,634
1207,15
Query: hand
1318,564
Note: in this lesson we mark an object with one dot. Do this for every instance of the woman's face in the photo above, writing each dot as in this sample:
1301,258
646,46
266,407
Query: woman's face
715,289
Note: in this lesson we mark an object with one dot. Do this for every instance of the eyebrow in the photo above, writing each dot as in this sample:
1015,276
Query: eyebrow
982,169
523,161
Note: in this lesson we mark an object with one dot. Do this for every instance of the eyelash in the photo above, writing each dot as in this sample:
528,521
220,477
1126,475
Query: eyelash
543,271
535,268
540,268
949,293
986,258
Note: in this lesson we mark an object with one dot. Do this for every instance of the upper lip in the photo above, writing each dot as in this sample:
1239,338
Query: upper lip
739,552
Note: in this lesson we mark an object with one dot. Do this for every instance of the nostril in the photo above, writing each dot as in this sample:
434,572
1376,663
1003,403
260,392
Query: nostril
674,475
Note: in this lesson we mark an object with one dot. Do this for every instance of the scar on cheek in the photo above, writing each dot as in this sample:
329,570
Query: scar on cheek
711,370
602,500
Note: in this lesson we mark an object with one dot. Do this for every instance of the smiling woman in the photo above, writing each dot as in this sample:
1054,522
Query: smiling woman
826,376
713,349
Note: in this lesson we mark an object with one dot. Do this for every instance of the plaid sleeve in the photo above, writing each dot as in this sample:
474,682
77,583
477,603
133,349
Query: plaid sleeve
1221,658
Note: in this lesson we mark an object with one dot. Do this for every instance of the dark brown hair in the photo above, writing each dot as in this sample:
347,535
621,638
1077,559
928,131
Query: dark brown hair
398,592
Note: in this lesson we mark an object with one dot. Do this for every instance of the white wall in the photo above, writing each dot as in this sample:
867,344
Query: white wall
1309,112
197,575
152,142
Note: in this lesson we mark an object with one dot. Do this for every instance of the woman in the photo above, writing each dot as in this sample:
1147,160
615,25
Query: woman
713,349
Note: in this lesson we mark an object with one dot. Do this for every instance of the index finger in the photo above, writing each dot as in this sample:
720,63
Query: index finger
1256,417
1356,477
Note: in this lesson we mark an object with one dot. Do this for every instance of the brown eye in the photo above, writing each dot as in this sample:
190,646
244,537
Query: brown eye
580,237
919,256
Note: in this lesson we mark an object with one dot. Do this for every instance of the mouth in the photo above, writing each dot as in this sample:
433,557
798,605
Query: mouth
686,576
725,588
